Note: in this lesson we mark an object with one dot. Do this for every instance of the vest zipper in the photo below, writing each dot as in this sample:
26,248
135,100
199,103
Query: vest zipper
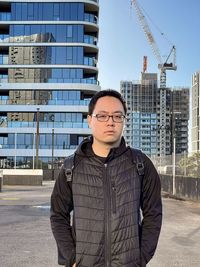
113,196
107,205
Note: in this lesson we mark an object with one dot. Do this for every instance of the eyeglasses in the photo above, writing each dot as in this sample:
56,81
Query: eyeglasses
103,117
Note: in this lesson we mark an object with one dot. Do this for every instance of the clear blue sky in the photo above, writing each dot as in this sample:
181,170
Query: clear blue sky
122,42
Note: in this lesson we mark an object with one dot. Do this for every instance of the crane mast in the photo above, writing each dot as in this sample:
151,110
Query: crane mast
162,67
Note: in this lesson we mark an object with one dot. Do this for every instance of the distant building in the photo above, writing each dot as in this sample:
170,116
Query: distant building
195,134
48,74
143,117
141,125
180,118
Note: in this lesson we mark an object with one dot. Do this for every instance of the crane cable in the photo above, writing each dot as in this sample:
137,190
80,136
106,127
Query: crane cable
154,24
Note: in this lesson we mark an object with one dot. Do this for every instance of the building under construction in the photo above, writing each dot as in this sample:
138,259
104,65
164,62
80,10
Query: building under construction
195,134
143,117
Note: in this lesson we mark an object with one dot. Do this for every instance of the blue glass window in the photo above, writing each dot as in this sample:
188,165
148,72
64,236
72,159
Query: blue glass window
47,11
48,139
66,10
30,11
59,33
18,11
11,140
38,11
56,11
52,75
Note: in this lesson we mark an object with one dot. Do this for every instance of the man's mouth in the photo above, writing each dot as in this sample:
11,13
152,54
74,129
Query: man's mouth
109,132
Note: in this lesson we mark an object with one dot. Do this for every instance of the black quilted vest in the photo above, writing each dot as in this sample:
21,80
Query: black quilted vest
107,212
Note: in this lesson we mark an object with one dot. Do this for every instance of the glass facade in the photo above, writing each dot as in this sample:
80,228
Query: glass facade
46,55
141,98
37,97
145,132
47,11
48,74
59,33
25,141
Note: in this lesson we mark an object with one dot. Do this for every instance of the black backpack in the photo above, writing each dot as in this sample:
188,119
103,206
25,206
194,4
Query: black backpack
137,157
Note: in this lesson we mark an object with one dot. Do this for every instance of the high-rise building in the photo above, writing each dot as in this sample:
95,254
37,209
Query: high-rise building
141,126
143,117
48,74
180,118
195,134
164,121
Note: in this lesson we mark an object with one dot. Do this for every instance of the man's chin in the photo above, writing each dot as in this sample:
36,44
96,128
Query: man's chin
112,142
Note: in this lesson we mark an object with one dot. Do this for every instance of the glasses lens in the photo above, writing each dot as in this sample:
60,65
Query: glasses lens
118,118
102,117
115,118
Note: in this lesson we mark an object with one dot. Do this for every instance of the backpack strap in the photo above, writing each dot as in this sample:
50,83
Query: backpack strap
68,167
138,159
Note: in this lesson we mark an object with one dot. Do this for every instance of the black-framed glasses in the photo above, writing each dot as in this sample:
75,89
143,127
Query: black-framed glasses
105,117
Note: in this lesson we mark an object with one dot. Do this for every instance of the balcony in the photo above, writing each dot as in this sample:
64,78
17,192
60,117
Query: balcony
90,61
84,80
90,18
90,39
57,80
32,124
20,101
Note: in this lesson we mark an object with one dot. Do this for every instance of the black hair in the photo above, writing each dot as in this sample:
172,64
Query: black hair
108,92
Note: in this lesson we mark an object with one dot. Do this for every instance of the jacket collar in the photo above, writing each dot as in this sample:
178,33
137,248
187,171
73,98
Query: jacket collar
85,149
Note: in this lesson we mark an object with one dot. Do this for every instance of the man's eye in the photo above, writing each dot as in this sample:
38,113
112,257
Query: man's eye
102,116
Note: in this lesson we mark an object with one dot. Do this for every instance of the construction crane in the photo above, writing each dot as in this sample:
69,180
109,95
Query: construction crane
144,63
163,67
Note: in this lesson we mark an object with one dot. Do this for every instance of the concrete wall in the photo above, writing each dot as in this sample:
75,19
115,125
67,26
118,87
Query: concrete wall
22,177
26,176
186,187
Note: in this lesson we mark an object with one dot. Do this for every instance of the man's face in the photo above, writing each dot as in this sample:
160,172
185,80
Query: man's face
107,132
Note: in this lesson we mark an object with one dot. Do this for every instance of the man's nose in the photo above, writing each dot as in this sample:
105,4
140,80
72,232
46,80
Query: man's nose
110,120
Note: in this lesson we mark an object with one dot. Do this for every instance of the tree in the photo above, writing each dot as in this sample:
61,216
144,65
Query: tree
192,164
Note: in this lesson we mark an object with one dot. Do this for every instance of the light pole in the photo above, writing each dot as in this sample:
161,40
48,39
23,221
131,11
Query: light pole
37,136
15,162
52,118
174,141
33,151
174,169
52,165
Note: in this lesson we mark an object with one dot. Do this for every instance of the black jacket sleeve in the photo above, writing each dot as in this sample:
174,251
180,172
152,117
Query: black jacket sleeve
151,206
61,206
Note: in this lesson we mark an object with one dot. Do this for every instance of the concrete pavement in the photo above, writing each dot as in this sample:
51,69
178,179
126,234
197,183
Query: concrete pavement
179,243
25,235
26,239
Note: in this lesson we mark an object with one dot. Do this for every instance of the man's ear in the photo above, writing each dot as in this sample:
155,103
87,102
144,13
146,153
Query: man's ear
124,128
89,118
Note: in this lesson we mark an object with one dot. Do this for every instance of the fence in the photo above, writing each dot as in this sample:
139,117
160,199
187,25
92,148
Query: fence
180,174
178,164
185,187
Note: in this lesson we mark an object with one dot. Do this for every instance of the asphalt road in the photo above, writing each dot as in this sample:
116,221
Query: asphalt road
26,239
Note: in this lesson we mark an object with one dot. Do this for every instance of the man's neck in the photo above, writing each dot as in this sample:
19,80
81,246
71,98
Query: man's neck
102,150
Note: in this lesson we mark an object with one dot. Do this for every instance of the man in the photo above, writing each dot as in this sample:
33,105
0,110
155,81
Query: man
106,196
